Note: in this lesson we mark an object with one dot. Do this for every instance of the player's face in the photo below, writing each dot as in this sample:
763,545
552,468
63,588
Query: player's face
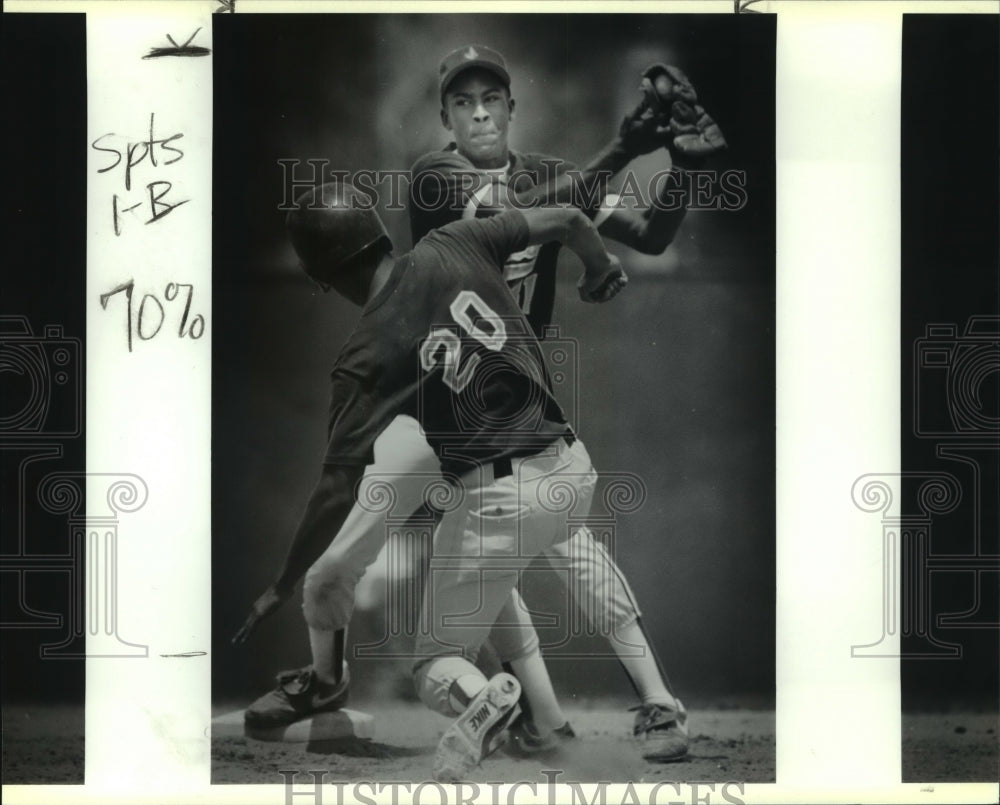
478,110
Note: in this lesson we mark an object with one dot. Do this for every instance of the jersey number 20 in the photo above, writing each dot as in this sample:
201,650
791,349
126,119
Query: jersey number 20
444,348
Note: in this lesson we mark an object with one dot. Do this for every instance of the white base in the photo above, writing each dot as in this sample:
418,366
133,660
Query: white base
322,727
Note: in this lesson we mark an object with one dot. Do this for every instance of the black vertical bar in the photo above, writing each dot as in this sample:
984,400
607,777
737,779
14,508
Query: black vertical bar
950,207
43,287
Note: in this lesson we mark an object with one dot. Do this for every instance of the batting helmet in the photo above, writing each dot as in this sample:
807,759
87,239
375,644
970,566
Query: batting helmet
330,226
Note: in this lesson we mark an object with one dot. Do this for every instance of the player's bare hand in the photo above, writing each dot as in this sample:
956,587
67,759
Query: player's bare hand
269,602
605,284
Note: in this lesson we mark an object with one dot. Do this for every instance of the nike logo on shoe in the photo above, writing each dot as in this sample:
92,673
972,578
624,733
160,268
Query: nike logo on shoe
470,737
480,717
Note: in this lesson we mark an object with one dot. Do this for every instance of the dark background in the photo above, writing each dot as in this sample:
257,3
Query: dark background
950,272
43,252
676,378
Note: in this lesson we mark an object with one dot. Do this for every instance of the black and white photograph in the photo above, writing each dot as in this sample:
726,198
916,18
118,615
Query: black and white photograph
464,619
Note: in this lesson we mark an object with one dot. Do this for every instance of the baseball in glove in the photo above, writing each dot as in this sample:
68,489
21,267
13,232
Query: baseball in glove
669,94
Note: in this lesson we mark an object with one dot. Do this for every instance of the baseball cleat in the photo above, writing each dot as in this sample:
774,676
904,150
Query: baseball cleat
524,741
299,694
661,731
471,736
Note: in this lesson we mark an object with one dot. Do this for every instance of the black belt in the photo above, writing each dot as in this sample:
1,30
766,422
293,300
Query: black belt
502,467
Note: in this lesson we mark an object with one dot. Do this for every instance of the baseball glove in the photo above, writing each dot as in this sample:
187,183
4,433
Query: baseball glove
668,92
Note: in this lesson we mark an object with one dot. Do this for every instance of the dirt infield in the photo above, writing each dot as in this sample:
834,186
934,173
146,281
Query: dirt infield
46,745
43,744
726,745
950,748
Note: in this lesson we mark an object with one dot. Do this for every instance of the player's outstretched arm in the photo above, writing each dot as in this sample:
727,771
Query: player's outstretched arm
603,277
667,116
585,187
325,513
646,128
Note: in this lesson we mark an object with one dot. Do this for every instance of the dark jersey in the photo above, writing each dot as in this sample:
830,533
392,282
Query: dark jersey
444,341
447,187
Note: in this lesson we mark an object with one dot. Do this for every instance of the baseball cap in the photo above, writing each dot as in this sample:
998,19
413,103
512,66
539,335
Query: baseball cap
471,56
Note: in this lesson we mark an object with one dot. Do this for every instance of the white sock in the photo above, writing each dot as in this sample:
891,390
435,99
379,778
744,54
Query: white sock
322,643
463,690
531,672
642,667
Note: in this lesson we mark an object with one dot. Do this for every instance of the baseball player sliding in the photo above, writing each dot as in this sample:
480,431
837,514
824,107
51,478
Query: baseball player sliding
441,336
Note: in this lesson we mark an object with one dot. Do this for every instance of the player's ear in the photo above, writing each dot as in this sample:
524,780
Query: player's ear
445,120
510,107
